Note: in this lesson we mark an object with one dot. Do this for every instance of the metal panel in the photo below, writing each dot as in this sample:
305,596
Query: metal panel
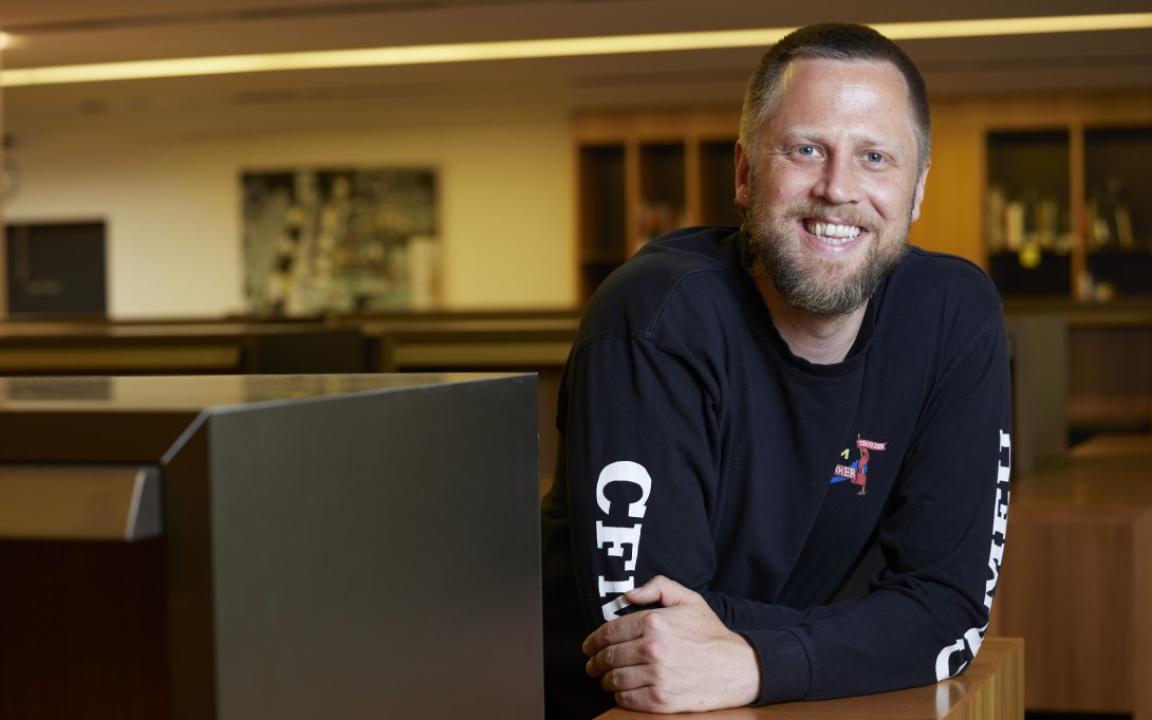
378,555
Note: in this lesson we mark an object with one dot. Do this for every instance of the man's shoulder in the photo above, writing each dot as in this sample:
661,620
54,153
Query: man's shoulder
637,297
936,282
938,300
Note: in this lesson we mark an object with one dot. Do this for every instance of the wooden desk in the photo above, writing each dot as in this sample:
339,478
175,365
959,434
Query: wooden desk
102,348
992,688
1077,578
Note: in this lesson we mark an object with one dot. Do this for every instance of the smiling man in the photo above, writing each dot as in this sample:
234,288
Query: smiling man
747,414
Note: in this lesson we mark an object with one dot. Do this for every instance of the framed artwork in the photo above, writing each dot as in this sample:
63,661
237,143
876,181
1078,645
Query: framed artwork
340,240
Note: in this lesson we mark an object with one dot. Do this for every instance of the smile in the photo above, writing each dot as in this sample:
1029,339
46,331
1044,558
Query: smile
832,233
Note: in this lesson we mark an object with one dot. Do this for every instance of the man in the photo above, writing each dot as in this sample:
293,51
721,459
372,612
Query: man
745,414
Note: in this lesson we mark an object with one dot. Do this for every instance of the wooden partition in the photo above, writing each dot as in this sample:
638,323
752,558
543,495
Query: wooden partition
1077,578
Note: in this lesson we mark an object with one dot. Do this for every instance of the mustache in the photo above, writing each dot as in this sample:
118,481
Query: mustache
824,211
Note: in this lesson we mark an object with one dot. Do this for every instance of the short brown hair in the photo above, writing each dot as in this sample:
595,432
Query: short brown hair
832,41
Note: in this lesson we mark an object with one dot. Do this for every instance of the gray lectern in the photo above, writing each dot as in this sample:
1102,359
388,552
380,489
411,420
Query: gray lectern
350,546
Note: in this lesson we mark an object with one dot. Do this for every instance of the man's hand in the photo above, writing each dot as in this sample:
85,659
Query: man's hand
675,658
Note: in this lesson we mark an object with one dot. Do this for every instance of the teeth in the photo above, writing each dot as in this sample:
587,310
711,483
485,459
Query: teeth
831,231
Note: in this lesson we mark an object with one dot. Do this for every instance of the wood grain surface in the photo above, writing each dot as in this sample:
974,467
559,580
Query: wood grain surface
1077,579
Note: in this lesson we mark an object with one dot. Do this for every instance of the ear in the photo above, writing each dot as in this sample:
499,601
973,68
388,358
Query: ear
919,196
743,177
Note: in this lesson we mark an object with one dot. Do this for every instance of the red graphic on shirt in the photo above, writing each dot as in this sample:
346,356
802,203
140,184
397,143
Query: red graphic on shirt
857,472
864,446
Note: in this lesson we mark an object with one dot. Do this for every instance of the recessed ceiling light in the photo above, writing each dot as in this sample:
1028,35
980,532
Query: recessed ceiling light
546,48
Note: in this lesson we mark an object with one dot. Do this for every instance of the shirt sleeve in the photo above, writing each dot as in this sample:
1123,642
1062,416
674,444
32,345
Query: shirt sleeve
635,411
632,413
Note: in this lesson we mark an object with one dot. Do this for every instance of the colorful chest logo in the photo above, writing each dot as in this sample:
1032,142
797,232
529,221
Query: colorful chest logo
857,472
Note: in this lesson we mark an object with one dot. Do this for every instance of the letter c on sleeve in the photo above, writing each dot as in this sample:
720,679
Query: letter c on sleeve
629,472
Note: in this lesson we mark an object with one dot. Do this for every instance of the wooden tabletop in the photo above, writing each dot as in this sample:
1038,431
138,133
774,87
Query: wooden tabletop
992,687
1108,471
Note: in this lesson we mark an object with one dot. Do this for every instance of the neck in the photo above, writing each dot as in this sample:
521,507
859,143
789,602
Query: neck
819,339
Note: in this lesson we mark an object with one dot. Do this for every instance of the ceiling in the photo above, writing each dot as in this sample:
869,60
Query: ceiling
63,32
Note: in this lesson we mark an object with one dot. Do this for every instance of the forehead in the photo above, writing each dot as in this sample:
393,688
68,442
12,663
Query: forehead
834,92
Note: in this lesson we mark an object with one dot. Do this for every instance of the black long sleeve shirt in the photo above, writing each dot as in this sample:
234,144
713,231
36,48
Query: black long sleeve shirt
697,446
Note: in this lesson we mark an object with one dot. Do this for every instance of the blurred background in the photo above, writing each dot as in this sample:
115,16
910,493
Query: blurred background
399,214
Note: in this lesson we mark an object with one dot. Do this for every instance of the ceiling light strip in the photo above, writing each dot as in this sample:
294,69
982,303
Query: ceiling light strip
553,47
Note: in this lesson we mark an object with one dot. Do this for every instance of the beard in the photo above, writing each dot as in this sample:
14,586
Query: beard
811,283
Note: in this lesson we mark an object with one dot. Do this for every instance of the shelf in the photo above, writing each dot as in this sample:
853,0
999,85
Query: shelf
603,212
1039,180
602,206
645,174
1118,186
1050,276
1118,210
1028,199
1117,272
718,183
661,207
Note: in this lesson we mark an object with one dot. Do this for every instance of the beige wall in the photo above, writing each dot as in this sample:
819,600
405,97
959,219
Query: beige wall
167,183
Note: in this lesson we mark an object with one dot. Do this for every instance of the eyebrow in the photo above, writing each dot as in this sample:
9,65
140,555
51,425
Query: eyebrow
812,133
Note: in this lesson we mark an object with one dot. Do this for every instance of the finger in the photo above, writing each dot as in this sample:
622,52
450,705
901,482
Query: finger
624,679
643,699
662,591
634,652
617,631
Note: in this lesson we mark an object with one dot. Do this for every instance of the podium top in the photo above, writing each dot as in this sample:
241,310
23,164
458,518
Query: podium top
137,418
194,393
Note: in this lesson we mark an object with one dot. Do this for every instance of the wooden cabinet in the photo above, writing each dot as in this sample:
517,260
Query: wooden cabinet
1051,194
646,174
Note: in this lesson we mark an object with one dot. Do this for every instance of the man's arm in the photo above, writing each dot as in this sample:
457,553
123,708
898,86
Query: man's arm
642,456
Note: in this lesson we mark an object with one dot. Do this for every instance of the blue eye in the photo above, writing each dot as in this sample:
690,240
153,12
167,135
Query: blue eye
874,157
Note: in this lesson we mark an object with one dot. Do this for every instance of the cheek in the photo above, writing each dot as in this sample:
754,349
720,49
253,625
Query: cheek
786,184
892,199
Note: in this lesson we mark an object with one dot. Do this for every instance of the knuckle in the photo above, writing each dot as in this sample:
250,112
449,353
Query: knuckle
653,621
659,697
659,678
649,650
607,681
595,667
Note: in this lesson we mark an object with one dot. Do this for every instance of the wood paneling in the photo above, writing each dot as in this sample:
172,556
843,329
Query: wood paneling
1075,582
1068,588
951,216
82,631
67,503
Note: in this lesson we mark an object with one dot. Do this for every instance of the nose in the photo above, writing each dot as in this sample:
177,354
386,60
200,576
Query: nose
838,183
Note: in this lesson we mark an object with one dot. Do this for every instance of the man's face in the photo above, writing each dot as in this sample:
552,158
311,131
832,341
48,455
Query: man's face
834,183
